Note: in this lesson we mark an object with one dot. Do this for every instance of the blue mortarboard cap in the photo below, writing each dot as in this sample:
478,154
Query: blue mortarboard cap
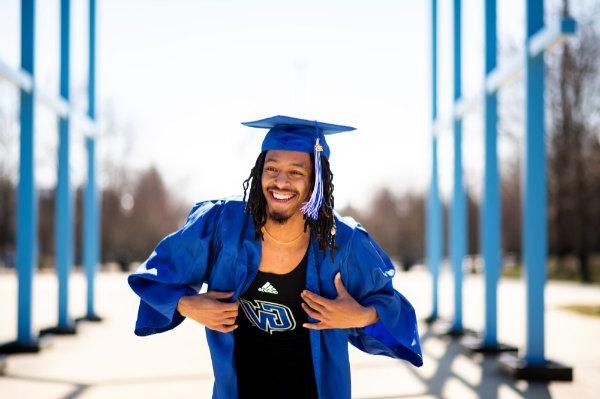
294,134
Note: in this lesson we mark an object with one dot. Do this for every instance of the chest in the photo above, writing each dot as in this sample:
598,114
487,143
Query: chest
280,260
272,304
235,266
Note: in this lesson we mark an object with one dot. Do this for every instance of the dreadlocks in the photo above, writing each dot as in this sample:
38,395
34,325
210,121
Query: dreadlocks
323,227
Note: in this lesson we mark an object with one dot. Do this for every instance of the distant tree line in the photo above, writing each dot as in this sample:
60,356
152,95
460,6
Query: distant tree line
137,210
132,221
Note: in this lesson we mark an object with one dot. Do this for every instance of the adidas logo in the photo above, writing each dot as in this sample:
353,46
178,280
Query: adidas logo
268,289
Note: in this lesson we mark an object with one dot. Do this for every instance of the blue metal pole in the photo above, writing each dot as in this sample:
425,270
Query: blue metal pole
458,214
92,62
26,208
431,236
490,211
64,218
534,203
433,221
434,61
436,228
90,230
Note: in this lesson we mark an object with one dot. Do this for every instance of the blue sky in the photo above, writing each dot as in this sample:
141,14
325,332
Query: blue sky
180,76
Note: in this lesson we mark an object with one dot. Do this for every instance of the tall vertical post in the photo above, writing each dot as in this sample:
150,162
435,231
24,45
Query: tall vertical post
534,365
26,240
458,212
64,213
490,211
534,205
63,230
90,204
434,221
26,200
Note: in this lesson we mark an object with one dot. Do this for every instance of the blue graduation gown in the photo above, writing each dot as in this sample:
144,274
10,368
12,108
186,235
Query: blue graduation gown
217,246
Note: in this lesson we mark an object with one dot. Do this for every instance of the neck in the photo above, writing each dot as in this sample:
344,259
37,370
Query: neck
287,231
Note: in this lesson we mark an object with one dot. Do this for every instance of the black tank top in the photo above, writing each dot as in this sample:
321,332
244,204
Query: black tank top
272,350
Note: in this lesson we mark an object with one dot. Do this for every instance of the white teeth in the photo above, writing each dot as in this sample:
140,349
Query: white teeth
281,197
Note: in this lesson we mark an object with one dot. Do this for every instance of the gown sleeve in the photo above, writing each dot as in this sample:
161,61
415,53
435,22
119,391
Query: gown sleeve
177,267
369,273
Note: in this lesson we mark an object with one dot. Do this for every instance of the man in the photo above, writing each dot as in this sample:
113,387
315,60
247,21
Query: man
290,282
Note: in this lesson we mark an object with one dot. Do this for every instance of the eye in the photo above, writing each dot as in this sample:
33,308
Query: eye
297,173
270,169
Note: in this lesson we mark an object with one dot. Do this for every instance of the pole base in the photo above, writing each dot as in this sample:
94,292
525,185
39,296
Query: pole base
431,319
446,329
15,347
70,329
89,317
549,371
454,332
475,344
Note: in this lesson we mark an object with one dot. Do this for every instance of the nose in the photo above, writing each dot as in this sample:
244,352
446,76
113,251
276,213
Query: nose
280,180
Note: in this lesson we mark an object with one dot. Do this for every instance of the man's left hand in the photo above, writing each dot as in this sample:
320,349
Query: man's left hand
341,312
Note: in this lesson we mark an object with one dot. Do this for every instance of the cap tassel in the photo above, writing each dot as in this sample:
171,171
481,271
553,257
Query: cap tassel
311,208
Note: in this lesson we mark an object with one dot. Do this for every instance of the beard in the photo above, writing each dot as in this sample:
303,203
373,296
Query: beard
279,217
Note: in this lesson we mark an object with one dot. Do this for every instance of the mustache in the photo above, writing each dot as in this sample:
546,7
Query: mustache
288,191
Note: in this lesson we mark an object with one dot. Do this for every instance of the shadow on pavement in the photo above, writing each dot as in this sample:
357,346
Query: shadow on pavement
491,377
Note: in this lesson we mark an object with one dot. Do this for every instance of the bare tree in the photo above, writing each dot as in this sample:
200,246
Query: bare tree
396,223
511,208
153,214
573,104
8,174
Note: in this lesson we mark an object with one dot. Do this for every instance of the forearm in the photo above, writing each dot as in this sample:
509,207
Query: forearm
183,305
369,316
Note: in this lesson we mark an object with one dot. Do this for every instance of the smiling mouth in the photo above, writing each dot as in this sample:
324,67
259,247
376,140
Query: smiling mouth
281,197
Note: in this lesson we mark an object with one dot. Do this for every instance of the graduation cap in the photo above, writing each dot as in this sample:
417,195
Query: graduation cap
294,134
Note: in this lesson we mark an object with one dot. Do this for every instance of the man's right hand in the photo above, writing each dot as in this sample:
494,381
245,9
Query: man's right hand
207,309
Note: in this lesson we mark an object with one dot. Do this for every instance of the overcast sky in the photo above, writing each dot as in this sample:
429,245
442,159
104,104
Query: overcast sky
180,76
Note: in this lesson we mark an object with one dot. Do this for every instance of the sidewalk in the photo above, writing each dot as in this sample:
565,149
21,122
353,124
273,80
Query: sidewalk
105,360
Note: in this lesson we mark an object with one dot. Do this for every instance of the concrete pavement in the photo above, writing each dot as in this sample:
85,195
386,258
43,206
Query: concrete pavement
105,360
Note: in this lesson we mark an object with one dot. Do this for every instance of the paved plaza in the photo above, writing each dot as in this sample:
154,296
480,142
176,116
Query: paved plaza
105,360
